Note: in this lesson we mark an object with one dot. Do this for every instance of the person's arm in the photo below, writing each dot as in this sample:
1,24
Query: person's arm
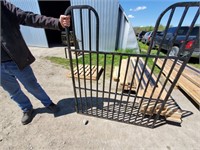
36,20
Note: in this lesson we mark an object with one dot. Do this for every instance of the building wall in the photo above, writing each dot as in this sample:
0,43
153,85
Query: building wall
32,36
127,37
115,30
113,23
107,10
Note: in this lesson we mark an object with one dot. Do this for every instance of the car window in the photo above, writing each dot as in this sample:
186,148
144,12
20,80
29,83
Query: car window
158,32
195,31
148,33
143,32
171,30
182,31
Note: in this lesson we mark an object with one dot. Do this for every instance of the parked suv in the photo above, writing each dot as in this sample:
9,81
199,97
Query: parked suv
147,37
192,41
140,35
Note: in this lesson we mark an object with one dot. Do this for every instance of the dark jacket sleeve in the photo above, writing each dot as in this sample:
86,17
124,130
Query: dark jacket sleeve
33,20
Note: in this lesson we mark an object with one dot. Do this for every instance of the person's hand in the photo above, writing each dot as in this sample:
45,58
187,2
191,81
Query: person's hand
64,21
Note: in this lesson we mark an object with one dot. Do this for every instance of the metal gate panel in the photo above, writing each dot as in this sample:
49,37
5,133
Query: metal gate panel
93,73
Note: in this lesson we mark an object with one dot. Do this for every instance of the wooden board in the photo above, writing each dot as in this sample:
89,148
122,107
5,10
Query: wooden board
87,72
171,111
116,74
184,83
144,79
134,71
189,72
129,74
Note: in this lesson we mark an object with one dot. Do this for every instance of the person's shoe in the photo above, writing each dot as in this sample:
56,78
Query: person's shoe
27,117
53,108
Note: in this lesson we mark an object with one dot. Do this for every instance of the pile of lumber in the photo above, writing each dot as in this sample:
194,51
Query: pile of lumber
138,78
189,80
87,72
171,111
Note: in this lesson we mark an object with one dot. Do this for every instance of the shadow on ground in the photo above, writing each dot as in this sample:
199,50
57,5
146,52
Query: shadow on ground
66,106
116,110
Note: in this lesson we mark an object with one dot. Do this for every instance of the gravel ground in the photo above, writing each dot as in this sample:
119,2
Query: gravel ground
67,130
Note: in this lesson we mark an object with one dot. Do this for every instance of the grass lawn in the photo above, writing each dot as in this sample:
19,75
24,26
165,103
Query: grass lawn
66,63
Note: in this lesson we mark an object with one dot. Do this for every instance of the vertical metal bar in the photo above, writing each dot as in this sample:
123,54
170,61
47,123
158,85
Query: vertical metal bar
71,66
132,81
90,55
179,25
104,75
97,49
136,95
142,74
120,61
77,65
83,58
110,85
143,96
97,98
166,28
126,72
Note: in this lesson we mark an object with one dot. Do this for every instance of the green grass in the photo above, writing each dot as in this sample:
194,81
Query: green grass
195,65
102,57
150,61
143,46
66,63
61,61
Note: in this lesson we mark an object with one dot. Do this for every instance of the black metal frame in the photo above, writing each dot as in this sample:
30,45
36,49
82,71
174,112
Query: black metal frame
105,98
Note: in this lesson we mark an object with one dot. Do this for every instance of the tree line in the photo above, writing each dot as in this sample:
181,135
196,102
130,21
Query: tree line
147,28
151,28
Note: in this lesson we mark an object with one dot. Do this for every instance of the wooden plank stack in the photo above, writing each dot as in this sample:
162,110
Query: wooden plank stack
189,80
138,78
171,111
87,71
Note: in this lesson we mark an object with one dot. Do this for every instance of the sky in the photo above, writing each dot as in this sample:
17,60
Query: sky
145,12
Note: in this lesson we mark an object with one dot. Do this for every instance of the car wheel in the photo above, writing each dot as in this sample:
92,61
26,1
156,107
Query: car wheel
174,51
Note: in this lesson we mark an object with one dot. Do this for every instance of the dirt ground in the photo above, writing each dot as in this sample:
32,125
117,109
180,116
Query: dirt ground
67,130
